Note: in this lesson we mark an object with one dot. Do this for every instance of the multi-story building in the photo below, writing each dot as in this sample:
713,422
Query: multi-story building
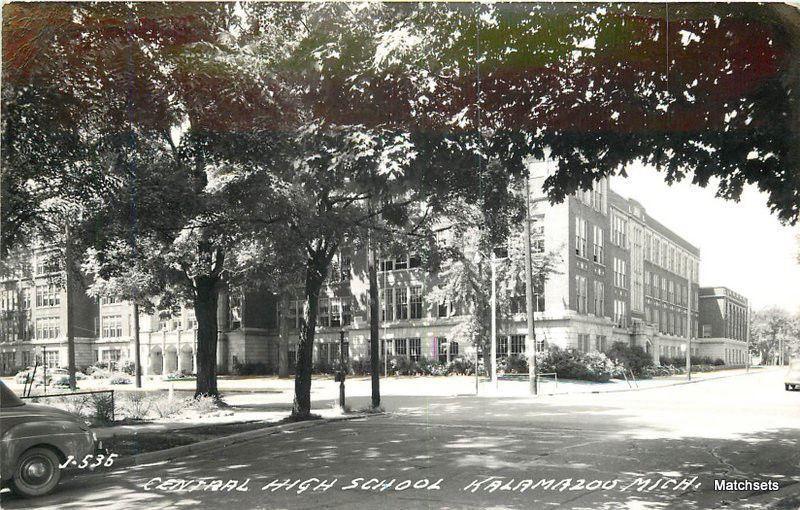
723,324
623,276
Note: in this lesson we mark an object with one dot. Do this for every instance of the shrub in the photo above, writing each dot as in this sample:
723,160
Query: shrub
204,404
166,407
136,405
512,365
718,362
572,364
127,367
257,368
630,357
323,367
120,379
102,405
75,404
360,366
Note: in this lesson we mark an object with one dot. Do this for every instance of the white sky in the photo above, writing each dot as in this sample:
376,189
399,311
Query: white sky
742,245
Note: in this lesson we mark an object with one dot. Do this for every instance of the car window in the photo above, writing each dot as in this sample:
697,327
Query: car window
8,398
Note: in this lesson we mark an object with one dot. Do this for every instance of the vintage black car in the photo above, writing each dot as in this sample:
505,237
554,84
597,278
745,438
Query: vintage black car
35,440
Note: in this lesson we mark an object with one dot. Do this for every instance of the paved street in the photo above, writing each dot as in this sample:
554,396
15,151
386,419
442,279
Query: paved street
737,428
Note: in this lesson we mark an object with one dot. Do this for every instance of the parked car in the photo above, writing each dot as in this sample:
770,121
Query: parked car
792,379
36,439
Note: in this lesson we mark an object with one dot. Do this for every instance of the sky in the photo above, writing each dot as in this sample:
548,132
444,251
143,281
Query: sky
742,245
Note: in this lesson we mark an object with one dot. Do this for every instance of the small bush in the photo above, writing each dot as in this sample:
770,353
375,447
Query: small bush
165,407
631,357
718,362
102,406
127,367
119,379
360,366
75,404
136,405
323,367
204,404
257,368
572,364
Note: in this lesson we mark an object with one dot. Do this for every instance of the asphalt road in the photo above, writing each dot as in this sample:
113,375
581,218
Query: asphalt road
652,449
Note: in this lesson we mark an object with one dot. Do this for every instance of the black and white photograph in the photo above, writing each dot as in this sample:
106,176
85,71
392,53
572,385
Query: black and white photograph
392,255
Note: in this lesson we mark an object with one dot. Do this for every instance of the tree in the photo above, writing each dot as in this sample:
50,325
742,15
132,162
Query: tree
702,90
770,330
462,277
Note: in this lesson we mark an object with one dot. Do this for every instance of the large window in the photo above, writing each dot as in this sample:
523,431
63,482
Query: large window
400,347
599,299
580,237
109,300
414,348
111,326
620,270
416,302
502,346
619,227
47,295
48,327
401,304
600,343
517,345
583,342
620,313
597,254
581,293
388,305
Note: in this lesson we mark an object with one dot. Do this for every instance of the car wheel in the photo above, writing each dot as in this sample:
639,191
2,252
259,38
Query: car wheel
37,472
788,387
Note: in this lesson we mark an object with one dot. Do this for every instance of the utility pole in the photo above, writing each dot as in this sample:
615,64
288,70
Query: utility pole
747,337
689,328
532,382
494,323
70,308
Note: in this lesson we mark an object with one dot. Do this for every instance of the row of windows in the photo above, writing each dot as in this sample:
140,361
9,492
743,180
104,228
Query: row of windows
596,197
48,327
666,290
585,343
331,312
399,263
581,241
667,322
665,254
599,299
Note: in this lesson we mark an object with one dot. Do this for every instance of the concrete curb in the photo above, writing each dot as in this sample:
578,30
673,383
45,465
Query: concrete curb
210,444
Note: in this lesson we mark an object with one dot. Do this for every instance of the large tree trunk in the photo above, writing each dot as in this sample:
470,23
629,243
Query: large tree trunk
315,276
205,309
374,331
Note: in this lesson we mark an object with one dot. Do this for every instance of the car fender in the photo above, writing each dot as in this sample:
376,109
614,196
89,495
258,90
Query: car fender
64,436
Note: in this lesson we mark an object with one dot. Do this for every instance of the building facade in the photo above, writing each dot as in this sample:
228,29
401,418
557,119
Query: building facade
623,277
724,324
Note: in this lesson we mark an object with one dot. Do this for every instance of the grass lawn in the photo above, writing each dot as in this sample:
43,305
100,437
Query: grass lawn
136,443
